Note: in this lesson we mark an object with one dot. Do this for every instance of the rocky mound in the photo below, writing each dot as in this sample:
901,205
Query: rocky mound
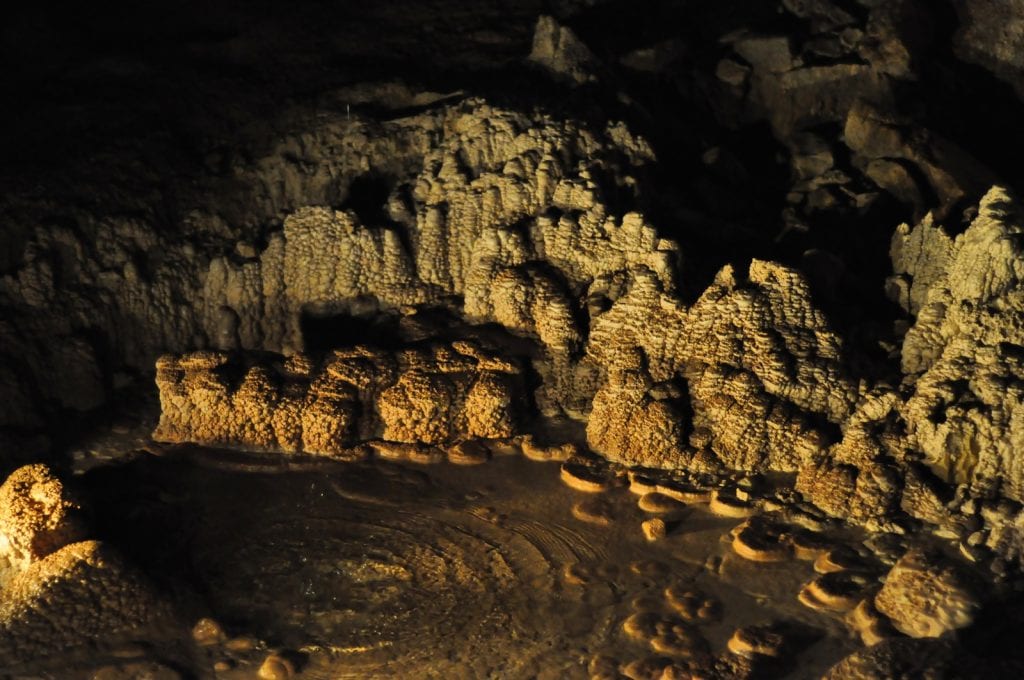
61,594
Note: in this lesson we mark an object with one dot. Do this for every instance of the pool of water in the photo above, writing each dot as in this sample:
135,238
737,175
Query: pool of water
369,570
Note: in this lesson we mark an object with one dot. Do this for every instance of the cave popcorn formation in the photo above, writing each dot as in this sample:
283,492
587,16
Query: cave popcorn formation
656,263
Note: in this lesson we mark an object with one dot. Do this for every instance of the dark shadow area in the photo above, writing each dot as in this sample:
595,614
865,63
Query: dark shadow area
967,104
367,197
324,332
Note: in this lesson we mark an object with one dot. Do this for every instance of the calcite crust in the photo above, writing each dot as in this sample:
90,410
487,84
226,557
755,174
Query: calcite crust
435,395
60,591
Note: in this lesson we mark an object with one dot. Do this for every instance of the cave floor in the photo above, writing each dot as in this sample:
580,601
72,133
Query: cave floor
380,569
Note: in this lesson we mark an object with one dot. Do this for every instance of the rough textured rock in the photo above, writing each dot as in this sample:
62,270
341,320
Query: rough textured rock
991,34
896,658
920,257
496,216
434,395
151,207
59,592
78,597
632,420
868,494
760,363
38,516
471,195
559,50
926,595
857,478
635,422
964,350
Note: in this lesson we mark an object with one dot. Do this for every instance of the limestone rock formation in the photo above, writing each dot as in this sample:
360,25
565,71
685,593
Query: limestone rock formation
241,228
991,34
868,494
469,195
759,360
762,365
505,223
964,350
920,256
38,516
636,422
433,395
858,478
59,592
75,598
926,595
896,658
559,50
635,417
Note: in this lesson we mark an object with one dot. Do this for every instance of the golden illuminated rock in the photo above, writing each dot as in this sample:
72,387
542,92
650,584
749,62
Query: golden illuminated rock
208,632
362,270
835,591
38,516
855,479
759,360
926,595
540,453
581,476
728,505
760,539
633,424
276,667
59,592
866,621
506,217
658,504
867,494
654,529
428,396
967,407
80,595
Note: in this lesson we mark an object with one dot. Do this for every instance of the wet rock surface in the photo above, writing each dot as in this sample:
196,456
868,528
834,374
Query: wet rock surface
371,569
